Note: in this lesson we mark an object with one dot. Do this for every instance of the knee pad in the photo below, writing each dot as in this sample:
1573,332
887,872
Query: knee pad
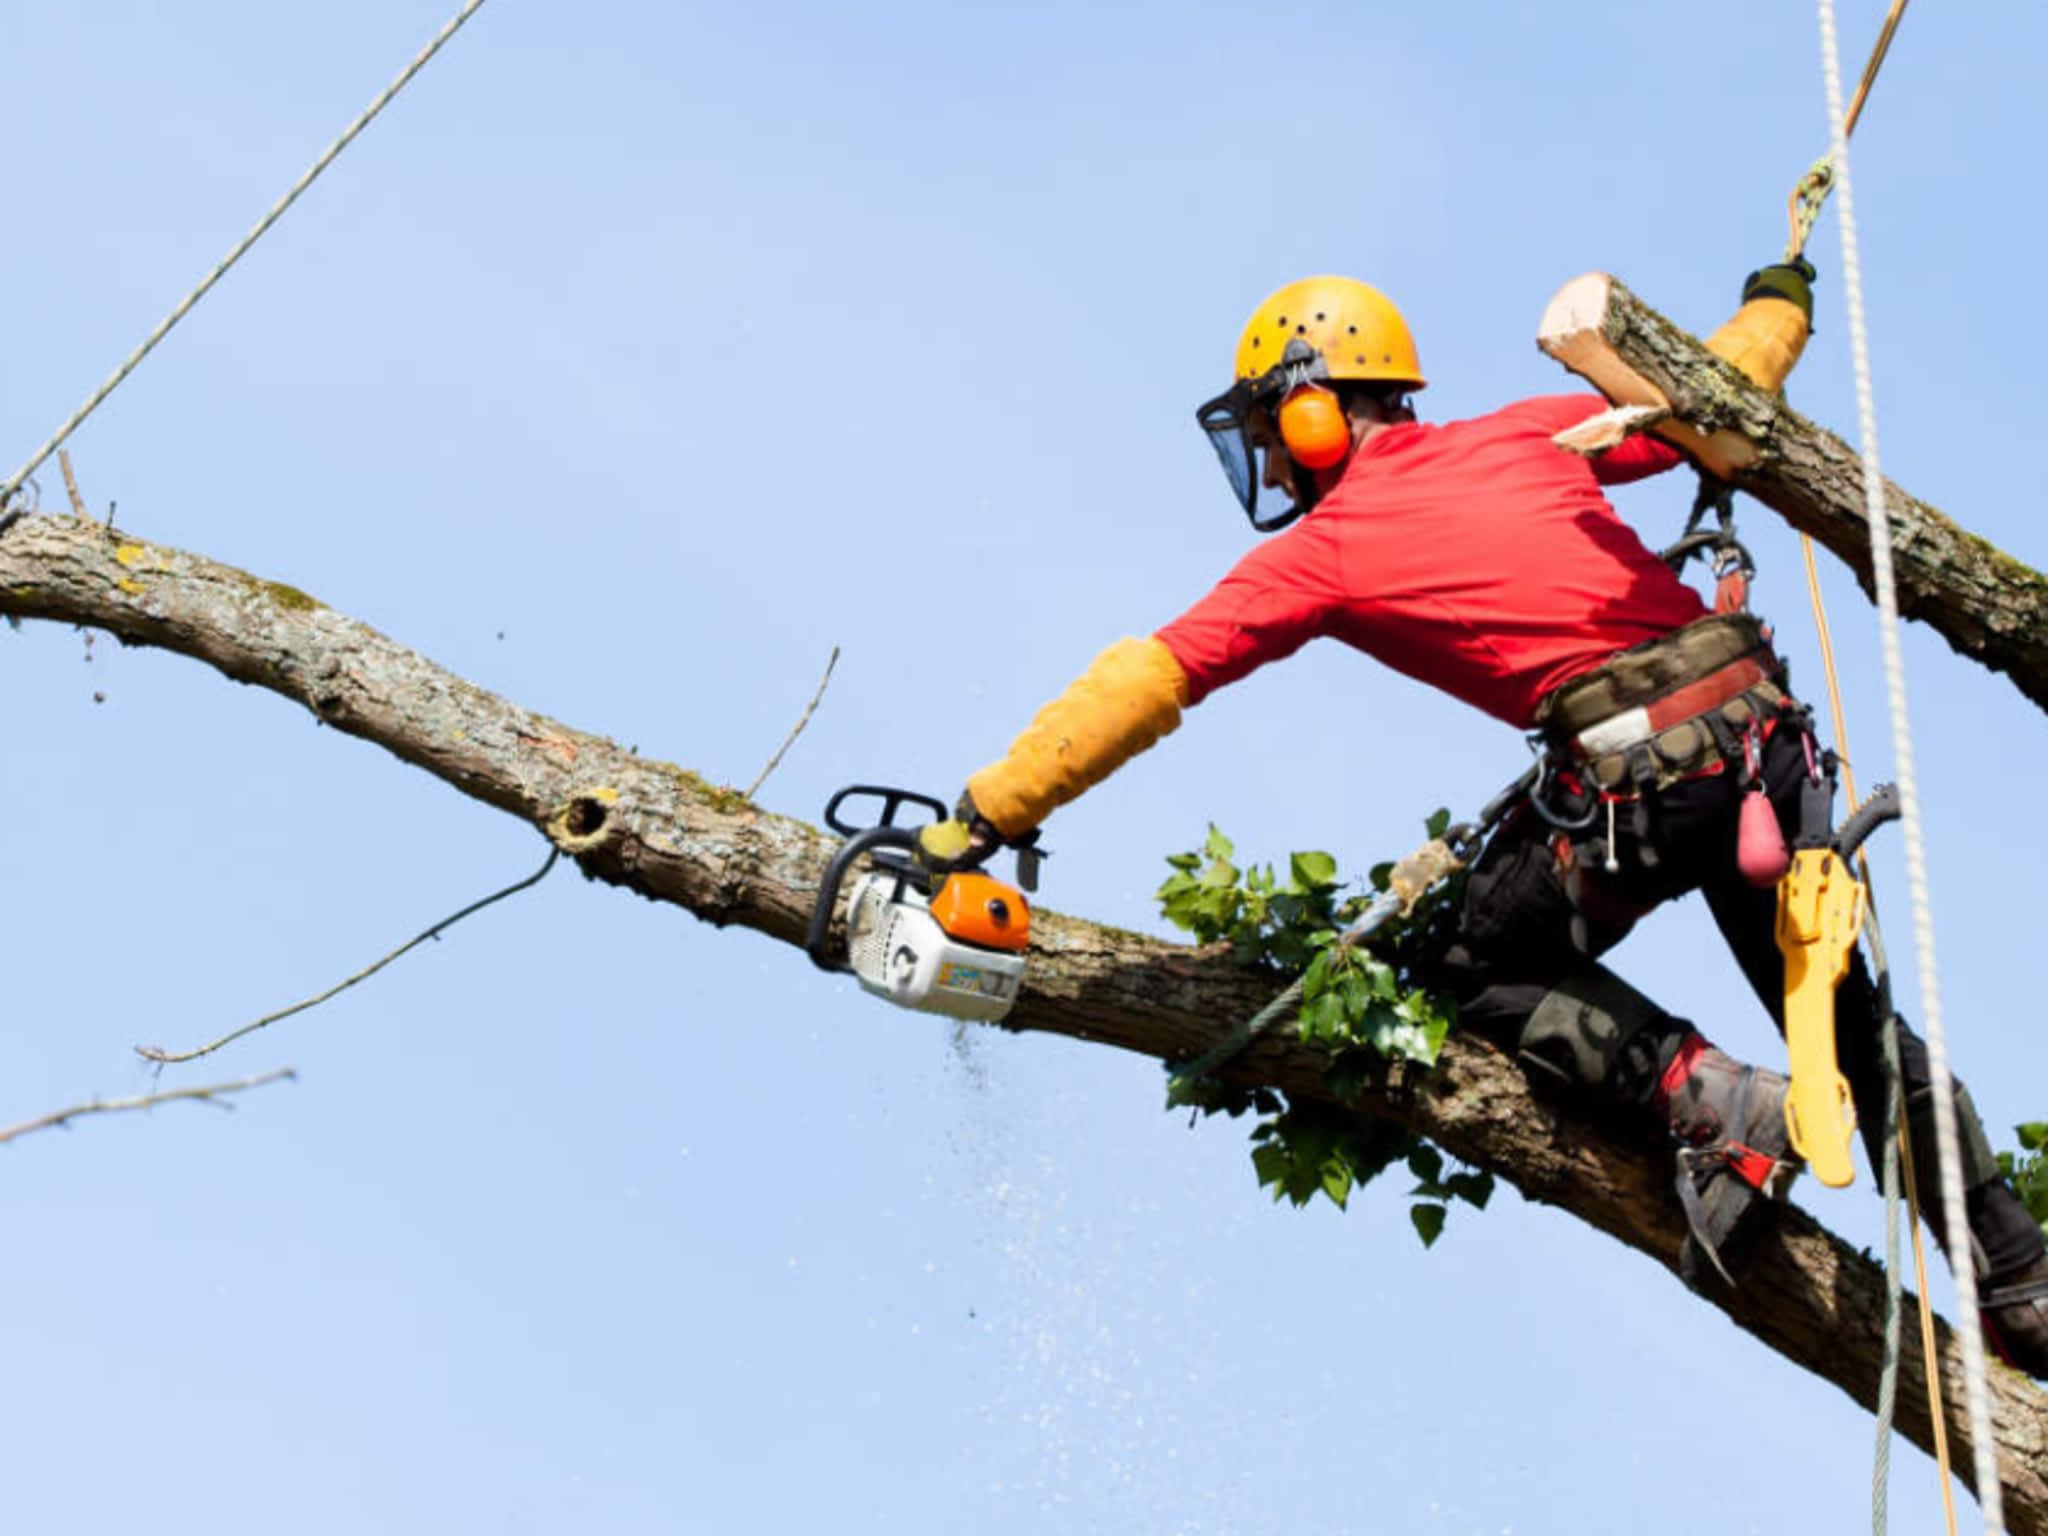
1595,1031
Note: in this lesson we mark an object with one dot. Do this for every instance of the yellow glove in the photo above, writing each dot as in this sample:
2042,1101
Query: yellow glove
944,842
1130,696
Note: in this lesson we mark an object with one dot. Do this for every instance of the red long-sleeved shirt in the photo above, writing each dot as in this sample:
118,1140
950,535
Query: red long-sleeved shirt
1474,556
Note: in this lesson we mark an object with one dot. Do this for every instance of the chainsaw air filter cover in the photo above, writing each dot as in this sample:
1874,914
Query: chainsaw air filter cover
898,950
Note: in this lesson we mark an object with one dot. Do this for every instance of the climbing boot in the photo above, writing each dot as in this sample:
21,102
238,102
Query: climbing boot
1728,1121
2014,1306
2012,1275
2005,1242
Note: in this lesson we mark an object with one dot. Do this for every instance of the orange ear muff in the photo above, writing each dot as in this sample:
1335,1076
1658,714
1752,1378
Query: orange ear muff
1314,427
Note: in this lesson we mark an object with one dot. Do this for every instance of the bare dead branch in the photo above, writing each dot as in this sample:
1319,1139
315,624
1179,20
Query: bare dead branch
797,729
71,483
213,1093
171,1058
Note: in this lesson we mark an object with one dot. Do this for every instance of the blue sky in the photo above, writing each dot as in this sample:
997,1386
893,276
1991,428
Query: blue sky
638,356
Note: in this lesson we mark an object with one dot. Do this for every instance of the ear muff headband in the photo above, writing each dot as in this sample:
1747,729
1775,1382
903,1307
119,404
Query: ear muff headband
1314,427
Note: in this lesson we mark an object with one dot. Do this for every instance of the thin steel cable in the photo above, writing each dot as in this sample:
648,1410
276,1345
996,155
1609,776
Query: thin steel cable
1956,1220
129,364
1898,1148
1888,1379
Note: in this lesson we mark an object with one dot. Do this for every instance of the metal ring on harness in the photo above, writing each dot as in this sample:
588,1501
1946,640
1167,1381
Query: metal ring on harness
1546,776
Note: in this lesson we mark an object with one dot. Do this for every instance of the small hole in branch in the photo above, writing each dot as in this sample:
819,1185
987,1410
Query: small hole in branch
586,817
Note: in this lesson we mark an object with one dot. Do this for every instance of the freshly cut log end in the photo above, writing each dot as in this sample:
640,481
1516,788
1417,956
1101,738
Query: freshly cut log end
1576,330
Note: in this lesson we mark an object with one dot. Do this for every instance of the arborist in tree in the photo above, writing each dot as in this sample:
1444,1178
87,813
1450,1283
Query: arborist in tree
1480,558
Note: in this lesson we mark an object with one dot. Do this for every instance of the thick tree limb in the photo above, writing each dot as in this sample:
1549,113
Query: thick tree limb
664,832
1986,604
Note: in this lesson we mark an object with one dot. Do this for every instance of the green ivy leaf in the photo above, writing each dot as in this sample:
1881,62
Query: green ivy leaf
1426,1163
2033,1135
1219,847
1429,1222
1439,822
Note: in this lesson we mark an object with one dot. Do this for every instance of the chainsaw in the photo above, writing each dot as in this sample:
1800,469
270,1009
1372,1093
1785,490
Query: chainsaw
951,944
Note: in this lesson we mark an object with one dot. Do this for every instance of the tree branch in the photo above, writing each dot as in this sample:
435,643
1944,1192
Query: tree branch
167,1058
212,1093
664,832
1989,606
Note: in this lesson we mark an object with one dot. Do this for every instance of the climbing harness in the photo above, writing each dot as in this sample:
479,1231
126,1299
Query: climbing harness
1729,560
1682,705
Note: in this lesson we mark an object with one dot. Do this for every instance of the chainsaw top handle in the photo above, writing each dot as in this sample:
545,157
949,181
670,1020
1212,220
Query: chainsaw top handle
862,842
892,800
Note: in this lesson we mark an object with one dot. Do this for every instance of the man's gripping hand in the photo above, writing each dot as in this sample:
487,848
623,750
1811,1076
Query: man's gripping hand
1791,281
965,842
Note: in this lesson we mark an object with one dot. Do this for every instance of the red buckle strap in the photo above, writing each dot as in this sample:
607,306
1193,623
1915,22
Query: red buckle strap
1754,1168
1689,1051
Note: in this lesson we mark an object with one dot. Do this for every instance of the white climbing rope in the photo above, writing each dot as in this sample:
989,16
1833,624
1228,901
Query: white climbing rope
1955,1216
128,364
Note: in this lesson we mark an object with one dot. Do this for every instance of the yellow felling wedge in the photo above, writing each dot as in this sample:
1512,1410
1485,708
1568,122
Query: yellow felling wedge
1820,912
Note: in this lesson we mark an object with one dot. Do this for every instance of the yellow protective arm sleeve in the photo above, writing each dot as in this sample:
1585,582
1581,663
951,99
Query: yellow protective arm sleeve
1764,338
1130,696
1766,334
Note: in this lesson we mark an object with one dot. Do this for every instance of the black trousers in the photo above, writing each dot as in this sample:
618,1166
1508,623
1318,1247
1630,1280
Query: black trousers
1514,945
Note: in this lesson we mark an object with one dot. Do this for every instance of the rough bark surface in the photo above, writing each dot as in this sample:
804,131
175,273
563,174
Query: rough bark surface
664,832
1989,606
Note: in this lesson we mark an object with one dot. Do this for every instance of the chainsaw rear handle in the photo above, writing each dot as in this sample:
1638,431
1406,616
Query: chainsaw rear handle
864,841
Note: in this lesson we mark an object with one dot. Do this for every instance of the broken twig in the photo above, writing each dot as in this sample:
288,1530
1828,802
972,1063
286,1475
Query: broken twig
71,485
798,729
171,1058
213,1093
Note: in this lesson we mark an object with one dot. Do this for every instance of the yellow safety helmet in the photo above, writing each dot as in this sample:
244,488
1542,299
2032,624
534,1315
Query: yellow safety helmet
1304,337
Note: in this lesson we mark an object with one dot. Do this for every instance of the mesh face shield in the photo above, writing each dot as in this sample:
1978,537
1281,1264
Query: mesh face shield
1227,422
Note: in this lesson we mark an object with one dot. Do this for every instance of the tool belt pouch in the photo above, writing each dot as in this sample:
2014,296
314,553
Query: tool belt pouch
1669,708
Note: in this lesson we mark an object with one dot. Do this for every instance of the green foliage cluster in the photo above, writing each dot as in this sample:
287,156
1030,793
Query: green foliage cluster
1362,1004
1266,919
2028,1168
